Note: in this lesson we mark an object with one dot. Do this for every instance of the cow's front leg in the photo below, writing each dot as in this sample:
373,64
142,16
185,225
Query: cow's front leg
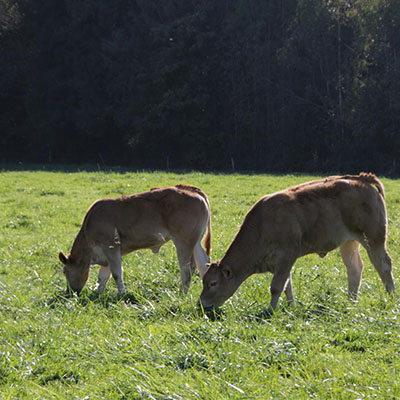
114,261
279,281
104,277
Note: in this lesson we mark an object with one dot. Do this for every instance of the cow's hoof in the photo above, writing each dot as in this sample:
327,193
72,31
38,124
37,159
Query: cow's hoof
95,295
121,295
129,298
266,314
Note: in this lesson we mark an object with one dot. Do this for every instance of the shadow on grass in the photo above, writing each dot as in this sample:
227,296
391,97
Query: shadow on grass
61,298
264,315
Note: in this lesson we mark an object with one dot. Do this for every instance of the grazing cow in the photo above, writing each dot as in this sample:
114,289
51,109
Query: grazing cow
315,217
148,220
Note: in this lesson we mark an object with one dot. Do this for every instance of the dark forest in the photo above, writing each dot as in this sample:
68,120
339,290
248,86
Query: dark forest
256,85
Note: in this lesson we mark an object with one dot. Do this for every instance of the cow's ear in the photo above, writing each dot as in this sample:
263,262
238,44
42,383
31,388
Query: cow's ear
227,272
63,258
208,265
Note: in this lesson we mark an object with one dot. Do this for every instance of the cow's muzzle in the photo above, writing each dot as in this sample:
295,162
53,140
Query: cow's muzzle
209,310
203,305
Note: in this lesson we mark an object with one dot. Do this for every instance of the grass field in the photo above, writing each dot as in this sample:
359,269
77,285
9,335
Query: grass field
153,344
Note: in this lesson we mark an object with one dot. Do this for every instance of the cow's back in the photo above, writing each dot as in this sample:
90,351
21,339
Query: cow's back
145,219
319,216
134,217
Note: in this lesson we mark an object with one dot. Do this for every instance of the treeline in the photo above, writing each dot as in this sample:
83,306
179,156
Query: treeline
272,85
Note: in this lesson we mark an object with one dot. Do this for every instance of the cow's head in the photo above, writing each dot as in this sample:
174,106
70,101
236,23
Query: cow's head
219,283
76,273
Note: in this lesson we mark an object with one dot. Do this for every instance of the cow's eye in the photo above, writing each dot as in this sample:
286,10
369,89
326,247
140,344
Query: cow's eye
213,284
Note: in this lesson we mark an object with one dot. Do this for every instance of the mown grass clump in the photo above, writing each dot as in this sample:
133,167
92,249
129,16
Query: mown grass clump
153,343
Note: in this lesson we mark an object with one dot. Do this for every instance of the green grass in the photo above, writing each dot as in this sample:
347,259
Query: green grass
153,344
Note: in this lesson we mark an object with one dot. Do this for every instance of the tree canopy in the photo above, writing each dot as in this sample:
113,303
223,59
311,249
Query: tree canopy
286,85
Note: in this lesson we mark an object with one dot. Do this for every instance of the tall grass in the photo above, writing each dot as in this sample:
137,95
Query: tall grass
153,344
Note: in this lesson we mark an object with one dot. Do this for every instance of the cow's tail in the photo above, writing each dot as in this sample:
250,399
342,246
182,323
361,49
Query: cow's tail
207,240
370,179
373,180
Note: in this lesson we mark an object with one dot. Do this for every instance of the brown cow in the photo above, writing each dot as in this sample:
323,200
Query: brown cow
315,217
148,220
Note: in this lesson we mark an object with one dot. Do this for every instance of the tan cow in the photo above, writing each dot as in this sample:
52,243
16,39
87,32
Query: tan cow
315,217
118,226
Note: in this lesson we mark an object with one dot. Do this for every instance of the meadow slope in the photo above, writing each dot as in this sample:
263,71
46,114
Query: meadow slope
153,344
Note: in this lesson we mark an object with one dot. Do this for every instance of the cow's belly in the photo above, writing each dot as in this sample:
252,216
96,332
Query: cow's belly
324,242
153,241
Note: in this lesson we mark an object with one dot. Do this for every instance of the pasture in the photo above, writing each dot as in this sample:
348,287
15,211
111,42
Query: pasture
153,344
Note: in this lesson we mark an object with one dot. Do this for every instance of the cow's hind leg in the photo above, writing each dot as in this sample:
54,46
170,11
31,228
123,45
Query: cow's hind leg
382,263
201,258
104,276
354,265
289,290
114,261
185,255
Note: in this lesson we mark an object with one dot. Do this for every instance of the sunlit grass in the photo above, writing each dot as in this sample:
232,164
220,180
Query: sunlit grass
153,344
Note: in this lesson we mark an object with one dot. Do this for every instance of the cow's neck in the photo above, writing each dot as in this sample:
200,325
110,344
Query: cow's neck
80,249
243,255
